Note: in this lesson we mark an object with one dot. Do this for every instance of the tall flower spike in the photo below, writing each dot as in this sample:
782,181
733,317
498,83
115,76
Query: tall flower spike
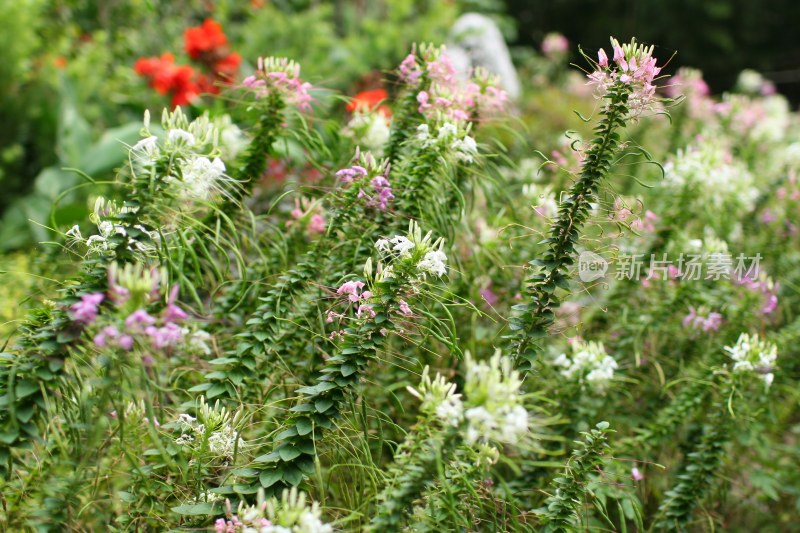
624,100
283,76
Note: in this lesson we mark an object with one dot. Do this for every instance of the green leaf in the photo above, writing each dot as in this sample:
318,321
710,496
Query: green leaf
25,388
8,437
215,390
293,476
244,472
288,452
304,426
270,477
348,369
199,509
110,150
25,413
68,335
268,458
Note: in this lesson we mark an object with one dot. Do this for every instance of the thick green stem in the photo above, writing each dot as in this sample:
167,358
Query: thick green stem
320,405
536,316
562,508
414,467
255,160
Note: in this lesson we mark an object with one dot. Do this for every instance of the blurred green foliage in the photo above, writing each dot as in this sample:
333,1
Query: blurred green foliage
341,42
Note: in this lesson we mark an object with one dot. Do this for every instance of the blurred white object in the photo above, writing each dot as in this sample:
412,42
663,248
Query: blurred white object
476,41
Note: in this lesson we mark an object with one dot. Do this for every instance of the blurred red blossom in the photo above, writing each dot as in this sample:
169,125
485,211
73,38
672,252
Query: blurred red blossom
207,45
369,101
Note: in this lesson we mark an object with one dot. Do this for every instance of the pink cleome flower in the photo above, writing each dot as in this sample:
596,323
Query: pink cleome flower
633,66
85,311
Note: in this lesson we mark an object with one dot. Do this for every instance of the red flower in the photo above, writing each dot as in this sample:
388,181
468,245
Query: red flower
166,77
149,66
207,45
228,66
184,87
204,38
369,101
207,85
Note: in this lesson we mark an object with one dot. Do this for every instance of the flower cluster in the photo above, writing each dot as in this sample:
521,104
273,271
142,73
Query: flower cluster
632,66
494,408
412,255
765,286
354,293
162,332
135,412
450,138
439,399
179,81
311,214
708,170
428,257
370,129
132,289
588,363
761,120
555,45
372,180
754,83
281,76
711,322
196,174
291,515
85,311
753,354
490,408
689,83
446,94
206,44
106,218
213,433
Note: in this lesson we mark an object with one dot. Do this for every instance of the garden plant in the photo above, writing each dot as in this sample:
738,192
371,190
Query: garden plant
417,307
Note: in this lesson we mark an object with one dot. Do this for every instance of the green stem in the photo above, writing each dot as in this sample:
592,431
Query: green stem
536,316
320,405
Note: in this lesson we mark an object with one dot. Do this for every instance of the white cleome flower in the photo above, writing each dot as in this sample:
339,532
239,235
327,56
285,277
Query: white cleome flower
514,425
482,425
199,342
447,130
589,363
146,148
200,176
178,136
402,245
74,235
223,443
433,263
105,227
465,149
310,523
451,410
751,353
382,245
